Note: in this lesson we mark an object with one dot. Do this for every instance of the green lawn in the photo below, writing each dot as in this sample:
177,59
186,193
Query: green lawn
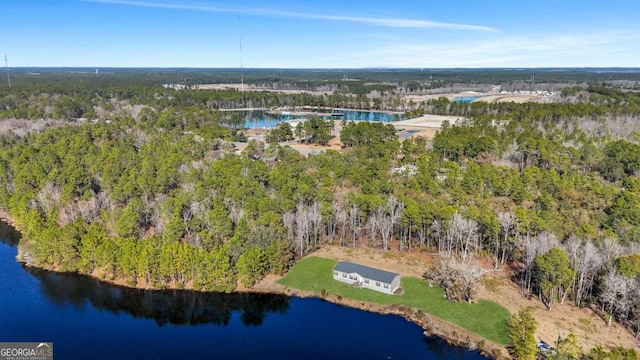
484,318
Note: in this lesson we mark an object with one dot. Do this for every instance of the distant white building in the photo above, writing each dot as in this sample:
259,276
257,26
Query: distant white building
174,86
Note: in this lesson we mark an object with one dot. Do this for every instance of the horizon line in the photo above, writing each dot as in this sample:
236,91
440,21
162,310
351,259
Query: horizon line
93,67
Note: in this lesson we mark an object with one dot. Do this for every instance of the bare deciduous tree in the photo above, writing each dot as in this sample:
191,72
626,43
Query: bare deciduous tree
156,218
49,197
372,226
341,218
235,212
586,260
395,209
458,279
508,225
354,221
422,235
382,222
302,227
289,221
471,274
617,293
437,233
533,247
89,209
611,248
315,221
385,226
461,236
332,226
186,215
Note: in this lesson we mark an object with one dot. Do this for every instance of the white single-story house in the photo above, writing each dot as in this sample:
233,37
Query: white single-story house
366,277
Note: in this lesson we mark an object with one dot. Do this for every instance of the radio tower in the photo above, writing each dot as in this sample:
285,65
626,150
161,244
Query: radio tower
6,65
241,62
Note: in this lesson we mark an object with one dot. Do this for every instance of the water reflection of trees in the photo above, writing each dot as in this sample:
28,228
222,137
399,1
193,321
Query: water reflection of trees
8,234
176,307
443,350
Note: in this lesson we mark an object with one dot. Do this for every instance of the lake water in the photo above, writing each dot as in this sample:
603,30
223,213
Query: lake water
466,99
262,119
88,319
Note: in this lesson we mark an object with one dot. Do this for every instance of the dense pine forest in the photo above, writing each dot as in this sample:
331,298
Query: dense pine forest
122,178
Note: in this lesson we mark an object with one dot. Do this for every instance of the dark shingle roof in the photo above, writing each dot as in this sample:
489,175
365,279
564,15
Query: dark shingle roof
365,271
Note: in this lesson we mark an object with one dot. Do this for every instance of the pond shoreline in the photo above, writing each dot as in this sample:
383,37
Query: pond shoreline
431,325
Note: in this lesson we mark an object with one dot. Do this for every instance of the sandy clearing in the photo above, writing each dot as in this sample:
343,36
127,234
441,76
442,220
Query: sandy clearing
427,133
427,121
450,96
517,98
390,261
248,87
306,149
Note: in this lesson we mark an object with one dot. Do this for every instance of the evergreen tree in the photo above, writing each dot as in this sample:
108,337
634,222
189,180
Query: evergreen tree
522,328
554,275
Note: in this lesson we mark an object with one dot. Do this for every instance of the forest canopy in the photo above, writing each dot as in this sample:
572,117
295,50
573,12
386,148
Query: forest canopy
141,182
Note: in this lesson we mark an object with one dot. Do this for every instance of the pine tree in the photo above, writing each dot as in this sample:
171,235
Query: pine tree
522,328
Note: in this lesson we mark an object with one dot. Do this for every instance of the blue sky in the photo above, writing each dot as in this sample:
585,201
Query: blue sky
320,34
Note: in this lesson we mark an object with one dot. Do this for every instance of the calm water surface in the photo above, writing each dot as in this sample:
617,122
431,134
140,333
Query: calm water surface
466,99
87,319
262,119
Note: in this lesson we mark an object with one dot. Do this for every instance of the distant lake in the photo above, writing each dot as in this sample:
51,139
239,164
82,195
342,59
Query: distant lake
466,99
263,119
88,319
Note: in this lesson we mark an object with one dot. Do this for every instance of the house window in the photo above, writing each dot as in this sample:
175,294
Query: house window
335,273
366,281
386,286
344,275
378,283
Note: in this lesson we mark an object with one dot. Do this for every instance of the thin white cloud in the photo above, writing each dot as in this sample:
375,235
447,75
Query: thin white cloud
604,48
383,22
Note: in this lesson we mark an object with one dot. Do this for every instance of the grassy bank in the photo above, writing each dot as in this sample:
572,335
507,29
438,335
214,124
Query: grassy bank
484,318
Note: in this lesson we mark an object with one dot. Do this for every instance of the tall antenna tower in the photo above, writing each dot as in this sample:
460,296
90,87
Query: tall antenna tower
241,62
533,80
6,65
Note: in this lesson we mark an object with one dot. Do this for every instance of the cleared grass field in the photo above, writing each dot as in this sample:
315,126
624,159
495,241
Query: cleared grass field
484,318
